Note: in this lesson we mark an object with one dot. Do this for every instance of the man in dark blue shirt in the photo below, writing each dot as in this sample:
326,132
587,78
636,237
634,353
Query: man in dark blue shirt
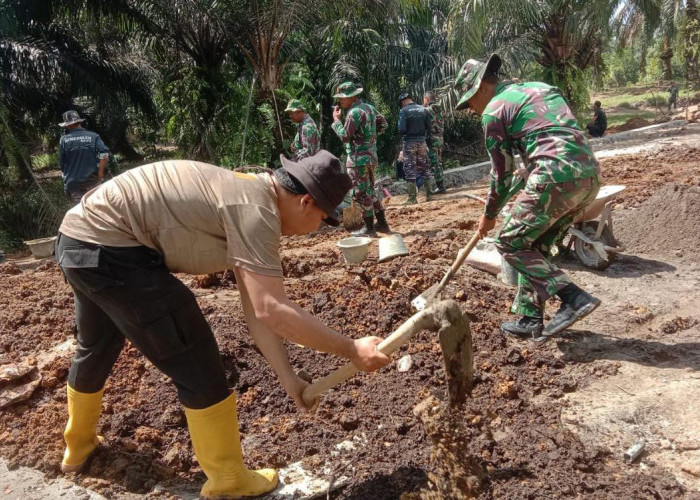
414,127
78,153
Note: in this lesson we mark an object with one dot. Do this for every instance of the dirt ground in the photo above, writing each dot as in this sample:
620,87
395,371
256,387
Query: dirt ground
543,421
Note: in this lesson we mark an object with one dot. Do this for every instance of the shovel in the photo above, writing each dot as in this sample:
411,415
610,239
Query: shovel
425,298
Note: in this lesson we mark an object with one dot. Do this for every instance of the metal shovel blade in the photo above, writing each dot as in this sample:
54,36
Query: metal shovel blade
422,301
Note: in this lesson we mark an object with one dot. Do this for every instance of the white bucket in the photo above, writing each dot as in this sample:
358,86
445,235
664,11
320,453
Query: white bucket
355,249
42,248
391,246
509,275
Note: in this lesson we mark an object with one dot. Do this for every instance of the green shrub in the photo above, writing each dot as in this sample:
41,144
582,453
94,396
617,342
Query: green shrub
27,214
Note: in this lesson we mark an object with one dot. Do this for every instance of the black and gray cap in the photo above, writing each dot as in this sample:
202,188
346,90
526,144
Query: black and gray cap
322,178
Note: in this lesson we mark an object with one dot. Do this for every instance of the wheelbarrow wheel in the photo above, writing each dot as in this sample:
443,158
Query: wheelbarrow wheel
587,254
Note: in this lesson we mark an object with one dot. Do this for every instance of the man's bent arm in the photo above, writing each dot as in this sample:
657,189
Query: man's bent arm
101,169
271,346
286,319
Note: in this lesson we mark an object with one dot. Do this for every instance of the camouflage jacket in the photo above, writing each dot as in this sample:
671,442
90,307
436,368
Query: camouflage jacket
437,120
306,142
359,133
673,92
532,119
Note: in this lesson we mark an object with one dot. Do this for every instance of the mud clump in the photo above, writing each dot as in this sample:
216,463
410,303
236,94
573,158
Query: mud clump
677,325
665,224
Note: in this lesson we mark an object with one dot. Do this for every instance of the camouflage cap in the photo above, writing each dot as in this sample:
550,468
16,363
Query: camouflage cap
295,105
470,76
347,89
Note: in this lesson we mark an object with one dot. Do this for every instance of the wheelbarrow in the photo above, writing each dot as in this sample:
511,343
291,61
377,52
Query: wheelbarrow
591,233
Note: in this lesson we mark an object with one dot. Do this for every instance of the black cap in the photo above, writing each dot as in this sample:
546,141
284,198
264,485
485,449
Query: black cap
323,178
403,96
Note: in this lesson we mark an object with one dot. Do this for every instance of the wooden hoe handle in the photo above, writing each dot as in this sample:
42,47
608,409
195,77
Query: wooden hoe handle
461,257
402,334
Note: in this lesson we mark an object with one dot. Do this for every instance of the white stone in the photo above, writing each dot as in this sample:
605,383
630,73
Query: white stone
404,364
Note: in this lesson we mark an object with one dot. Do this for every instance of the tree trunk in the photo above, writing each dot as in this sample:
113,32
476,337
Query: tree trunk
267,95
643,61
692,42
114,135
666,56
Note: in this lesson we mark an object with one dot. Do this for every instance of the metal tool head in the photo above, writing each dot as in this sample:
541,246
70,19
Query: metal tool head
419,303
425,298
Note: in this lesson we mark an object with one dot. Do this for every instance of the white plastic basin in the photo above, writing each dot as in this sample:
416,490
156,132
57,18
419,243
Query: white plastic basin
42,248
355,249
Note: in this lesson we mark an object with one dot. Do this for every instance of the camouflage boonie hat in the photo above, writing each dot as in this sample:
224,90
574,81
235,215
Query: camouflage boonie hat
70,117
470,75
347,89
295,105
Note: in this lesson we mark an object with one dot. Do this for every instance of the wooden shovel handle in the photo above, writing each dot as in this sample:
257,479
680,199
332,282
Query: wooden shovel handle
402,334
461,257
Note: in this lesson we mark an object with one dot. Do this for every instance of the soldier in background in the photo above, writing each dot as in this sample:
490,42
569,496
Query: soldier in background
672,96
359,134
414,128
307,139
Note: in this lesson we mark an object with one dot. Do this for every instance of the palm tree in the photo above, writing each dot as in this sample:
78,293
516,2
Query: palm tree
565,37
45,64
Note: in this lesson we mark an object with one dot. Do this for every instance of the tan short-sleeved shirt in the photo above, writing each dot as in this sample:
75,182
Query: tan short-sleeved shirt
200,217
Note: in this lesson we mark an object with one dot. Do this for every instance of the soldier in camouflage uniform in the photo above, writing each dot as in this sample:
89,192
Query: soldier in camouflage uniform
306,142
559,179
414,128
437,122
359,133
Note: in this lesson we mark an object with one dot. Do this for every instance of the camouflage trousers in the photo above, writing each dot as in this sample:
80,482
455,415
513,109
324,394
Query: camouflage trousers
363,188
415,160
435,158
541,213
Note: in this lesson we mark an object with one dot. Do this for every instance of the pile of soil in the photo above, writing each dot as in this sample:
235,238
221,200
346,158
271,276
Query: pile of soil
665,224
631,124
692,114
644,173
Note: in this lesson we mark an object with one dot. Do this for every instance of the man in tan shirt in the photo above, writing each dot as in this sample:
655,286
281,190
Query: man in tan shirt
118,248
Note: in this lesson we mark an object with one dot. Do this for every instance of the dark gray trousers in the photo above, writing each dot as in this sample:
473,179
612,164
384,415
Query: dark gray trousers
129,293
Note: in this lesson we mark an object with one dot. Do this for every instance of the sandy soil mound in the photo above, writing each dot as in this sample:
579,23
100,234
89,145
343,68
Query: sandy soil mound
646,172
666,223
631,124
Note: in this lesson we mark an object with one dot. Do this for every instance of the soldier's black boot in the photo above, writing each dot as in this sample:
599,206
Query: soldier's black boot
382,225
527,326
440,187
575,305
368,230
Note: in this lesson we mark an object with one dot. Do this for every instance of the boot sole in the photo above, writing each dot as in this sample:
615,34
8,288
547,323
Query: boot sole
580,314
68,469
522,335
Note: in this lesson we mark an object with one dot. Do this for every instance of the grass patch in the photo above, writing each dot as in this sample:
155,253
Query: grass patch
630,96
45,162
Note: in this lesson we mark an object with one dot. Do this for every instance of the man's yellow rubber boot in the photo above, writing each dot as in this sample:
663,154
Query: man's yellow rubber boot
217,445
81,431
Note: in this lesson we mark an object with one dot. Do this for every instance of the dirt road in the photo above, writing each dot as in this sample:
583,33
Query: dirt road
546,422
